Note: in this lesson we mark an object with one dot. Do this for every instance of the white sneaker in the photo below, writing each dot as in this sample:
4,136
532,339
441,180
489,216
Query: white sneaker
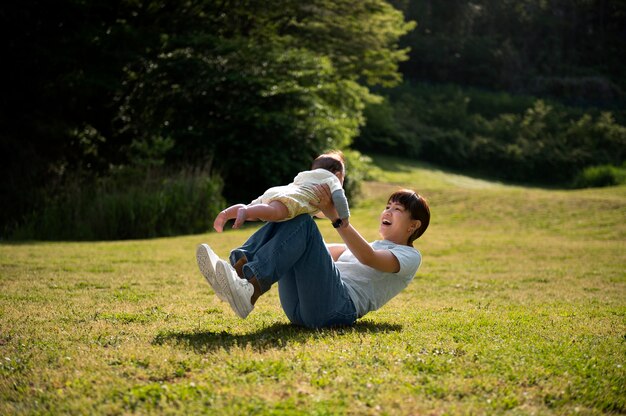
237,291
207,259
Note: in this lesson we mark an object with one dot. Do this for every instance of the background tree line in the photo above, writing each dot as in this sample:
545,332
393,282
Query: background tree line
135,118
531,91
568,49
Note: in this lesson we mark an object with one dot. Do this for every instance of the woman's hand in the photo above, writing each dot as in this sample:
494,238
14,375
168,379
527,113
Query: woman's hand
383,260
325,203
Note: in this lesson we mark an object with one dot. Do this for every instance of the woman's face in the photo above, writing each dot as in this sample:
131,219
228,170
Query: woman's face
396,224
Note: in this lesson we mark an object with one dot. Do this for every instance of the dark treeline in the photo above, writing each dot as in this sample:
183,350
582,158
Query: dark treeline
568,49
114,114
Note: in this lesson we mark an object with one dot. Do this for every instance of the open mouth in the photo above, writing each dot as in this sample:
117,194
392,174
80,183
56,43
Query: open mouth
386,222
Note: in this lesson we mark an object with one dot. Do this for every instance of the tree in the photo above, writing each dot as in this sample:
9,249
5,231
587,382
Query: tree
96,84
261,88
570,49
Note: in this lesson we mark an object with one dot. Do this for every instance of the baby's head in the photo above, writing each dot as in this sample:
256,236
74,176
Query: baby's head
333,162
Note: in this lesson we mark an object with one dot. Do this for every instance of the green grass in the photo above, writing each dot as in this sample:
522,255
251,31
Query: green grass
519,308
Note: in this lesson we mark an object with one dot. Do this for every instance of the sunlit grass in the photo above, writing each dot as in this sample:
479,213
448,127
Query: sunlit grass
520,306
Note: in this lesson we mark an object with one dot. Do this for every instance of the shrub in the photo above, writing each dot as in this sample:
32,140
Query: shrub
359,168
526,140
129,204
599,176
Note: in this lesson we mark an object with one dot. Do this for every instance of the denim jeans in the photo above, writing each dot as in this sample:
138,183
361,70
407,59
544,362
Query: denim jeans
293,253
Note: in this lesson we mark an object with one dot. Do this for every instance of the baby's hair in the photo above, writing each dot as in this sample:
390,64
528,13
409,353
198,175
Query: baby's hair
417,206
332,161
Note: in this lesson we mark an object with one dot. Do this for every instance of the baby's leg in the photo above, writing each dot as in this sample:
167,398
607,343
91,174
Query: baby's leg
228,214
274,211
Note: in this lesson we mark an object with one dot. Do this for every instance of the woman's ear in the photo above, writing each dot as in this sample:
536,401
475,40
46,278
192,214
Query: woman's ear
415,225
340,176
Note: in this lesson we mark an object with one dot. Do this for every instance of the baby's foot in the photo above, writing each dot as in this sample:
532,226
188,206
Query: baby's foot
241,217
219,222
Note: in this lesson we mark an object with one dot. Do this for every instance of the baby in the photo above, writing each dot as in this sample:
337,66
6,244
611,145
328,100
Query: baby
282,203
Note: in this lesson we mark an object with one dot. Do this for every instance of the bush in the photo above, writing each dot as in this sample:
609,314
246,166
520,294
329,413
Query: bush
127,205
359,168
527,140
599,176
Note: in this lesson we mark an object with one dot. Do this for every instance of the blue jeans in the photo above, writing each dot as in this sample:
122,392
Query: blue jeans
293,253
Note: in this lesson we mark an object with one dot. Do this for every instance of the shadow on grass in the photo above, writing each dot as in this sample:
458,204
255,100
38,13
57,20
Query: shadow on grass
276,336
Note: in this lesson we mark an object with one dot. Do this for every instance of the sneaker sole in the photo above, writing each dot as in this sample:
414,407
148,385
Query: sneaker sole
227,285
207,260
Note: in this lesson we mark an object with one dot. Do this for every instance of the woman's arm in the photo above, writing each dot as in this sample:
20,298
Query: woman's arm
336,250
382,260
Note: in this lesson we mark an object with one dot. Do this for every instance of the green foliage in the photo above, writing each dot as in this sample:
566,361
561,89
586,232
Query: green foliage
262,90
359,168
598,176
255,88
569,50
360,37
130,204
529,140
262,111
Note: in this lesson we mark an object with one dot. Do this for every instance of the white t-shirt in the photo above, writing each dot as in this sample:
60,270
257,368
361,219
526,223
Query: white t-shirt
318,177
369,288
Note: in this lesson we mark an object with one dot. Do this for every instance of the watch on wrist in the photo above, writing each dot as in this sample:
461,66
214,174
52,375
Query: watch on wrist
337,223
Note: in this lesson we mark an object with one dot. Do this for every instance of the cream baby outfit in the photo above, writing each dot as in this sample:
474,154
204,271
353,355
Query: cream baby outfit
297,195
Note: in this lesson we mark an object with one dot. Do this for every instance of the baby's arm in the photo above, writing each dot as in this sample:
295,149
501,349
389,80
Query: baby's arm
339,197
341,204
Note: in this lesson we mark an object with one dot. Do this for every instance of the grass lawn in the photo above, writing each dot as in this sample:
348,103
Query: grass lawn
519,307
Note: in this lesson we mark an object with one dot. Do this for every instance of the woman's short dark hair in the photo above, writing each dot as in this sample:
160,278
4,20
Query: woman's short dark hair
417,206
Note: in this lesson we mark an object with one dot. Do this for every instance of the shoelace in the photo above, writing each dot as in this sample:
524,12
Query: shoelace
243,282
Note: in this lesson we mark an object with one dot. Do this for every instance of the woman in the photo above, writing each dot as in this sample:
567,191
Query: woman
322,285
